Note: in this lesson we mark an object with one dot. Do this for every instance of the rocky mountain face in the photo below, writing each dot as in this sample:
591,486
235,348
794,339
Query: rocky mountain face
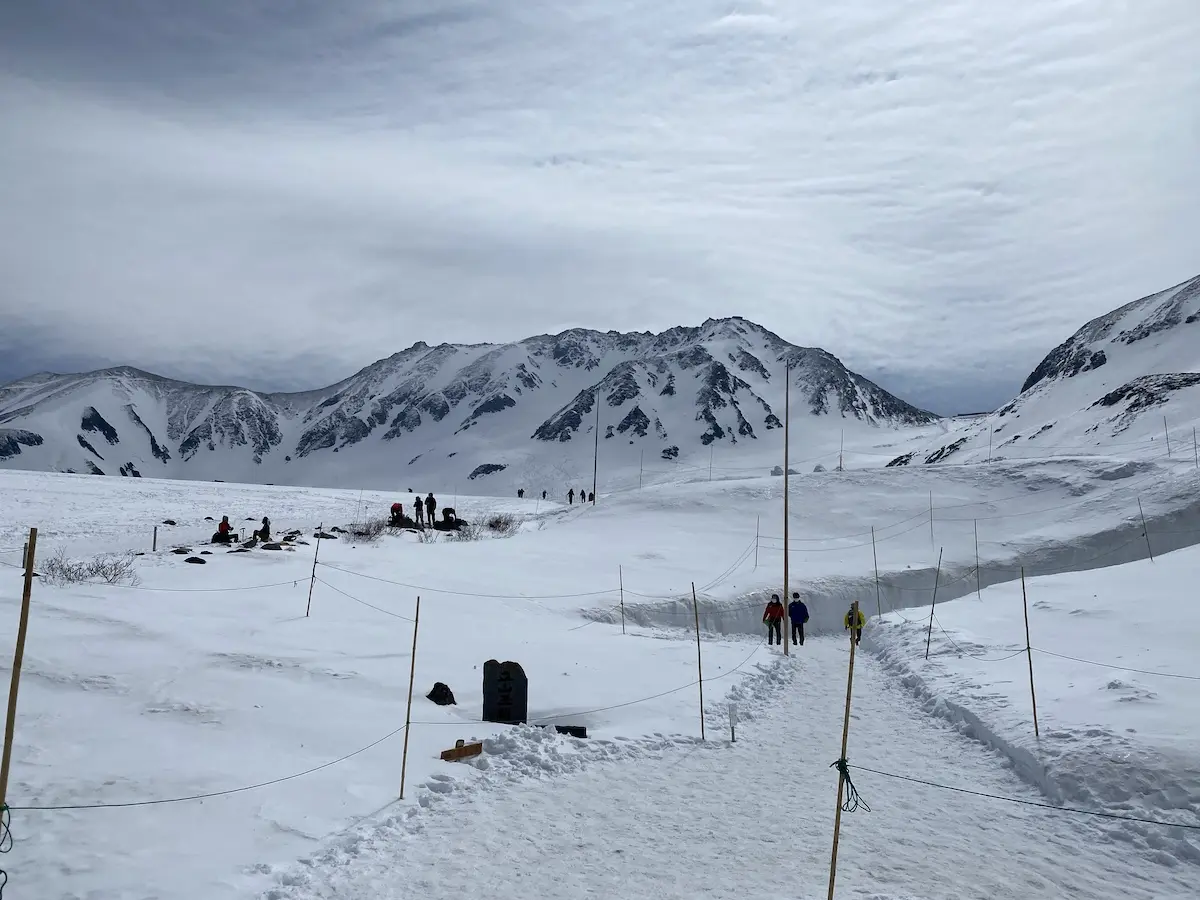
1095,389
495,405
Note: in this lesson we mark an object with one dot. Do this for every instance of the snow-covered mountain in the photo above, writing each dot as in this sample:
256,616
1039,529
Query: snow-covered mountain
505,415
1127,381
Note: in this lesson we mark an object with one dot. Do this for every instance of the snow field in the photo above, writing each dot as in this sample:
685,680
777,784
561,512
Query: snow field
192,683
1118,691
678,819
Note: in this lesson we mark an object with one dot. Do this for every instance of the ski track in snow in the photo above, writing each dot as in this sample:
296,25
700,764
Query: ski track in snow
680,819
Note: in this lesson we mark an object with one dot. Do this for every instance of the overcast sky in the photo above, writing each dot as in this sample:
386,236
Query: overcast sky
277,194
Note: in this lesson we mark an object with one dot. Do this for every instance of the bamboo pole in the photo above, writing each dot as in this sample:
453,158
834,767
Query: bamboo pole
699,665
621,584
978,579
936,577
313,581
875,557
1195,448
1145,530
596,454
1029,653
837,818
757,525
1167,435
154,542
412,677
10,723
787,422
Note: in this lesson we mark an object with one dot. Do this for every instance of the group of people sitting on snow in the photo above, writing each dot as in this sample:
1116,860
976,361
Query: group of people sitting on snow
226,535
797,613
424,512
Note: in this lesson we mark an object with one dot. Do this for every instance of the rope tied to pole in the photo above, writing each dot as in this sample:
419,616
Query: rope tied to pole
6,841
854,801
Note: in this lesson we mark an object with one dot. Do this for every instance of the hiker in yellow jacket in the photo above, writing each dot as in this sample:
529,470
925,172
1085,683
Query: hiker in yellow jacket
858,625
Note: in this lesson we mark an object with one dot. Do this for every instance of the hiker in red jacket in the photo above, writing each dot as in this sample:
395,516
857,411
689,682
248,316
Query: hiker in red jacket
773,618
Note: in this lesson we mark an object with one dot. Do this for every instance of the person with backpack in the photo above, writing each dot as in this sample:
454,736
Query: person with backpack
430,508
571,496
773,619
798,613
419,513
857,626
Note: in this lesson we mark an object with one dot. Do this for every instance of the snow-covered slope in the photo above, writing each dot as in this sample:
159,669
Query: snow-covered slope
515,415
1114,384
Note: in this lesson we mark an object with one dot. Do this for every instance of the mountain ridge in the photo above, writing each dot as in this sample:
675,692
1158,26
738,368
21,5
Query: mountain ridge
671,392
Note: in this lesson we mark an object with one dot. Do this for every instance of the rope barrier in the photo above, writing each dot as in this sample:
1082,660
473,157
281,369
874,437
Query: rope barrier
363,602
206,796
853,802
1049,806
432,590
1092,662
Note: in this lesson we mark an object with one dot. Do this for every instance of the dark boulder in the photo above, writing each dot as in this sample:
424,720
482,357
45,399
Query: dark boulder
272,545
441,695
168,521
195,560
182,551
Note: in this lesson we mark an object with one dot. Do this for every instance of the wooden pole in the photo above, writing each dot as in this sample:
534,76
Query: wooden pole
978,579
936,577
596,454
1029,653
621,584
10,722
757,526
1145,530
875,557
1167,435
154,543
412,677
837,816
787,421
699,666
313,581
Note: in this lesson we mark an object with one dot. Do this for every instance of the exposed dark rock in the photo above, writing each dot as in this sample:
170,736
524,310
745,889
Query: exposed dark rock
670,453
1145,393
161,453
172,521
88,447
441,694
93,421
636,421
130,471
182,551
495,404
942,452
486,469
94,469
324,536
195,560
271,545
13,439
206,553
668,388
903,460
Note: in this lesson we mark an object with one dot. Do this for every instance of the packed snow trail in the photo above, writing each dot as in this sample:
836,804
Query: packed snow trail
754,818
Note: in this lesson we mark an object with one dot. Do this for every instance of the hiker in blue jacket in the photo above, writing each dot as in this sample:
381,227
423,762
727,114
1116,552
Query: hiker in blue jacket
798,613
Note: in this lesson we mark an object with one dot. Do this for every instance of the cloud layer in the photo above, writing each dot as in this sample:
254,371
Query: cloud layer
937,193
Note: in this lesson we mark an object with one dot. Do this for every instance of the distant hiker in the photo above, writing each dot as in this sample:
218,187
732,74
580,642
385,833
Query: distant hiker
224,533
520,492
798,613
397,518
264,533
571,495
430,507
543,495
858,626
591,497
419,513
773,618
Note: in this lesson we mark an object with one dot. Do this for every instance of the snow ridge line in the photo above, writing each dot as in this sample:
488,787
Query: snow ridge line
518,756
1023,762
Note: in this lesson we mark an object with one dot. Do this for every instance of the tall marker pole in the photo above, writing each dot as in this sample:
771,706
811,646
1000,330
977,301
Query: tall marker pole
1029,653
1145,530
621,586
699,666
787,423
875,557
10,723
978,580
313,581
412,677
936,577
757,526
596,457
932,539
837,816
1167,435
641,462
